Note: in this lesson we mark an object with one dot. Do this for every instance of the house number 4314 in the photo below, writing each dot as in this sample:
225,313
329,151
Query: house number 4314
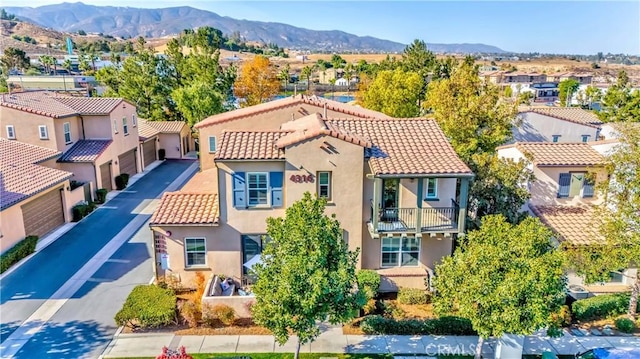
301,178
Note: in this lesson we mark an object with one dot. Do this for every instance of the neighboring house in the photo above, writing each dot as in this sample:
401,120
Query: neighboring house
174,137
556,124
98,137
563,194
149,139
34,198
342,82
396,185
58,83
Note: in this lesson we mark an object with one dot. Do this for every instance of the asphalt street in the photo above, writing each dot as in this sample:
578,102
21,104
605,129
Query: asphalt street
81,324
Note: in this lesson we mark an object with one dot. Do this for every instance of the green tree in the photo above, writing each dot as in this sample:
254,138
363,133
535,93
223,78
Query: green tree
337,61
308,274
566,89
198,101
67,64
621,103
15,59
395,93
525,98
47,61
82,33
504,278
307,71
592,94
417,58
618,243
470,111
508,92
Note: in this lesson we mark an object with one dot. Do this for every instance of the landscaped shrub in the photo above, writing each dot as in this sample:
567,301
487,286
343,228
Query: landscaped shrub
370,307
375,324
17,252
101,195
81,210
451,325
390,309
120,182
369,281
148,306
625,325
413,296
162,154
191,313
601,306
125,178
222,312
562,318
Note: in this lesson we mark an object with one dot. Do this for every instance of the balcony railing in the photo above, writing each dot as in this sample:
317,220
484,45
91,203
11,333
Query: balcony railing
430,219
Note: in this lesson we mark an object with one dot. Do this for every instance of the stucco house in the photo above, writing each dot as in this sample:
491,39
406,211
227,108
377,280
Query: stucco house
556,124
563,194
98,137
35,197
396,185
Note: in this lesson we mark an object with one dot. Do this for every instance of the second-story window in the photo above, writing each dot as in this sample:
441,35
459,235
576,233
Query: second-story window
44,134
134,120
11,132
585,138
66,128
212,144
555,138
258,188
115,126
432,188
324,185
125,126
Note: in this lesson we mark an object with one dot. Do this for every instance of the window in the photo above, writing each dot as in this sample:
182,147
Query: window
257,187
571,184
44,134
400,251
115,126
585,138
432,188
134,120
324,185
66,128
11,132
212,144
588,187
196,251
125,127
556,138
252,245
616,277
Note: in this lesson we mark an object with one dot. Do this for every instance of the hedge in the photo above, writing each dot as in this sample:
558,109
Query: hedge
148,306
80,211
101,195
413,296
369,281
17,252
122,180
375,324
601,306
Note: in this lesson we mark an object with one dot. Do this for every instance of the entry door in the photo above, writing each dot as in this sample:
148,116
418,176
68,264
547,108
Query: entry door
576,184
390,192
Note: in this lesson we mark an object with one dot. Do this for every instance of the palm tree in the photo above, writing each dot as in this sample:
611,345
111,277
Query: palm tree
67,65
284,76
45,60
306,72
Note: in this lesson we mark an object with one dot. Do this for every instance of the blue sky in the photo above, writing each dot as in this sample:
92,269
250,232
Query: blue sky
576,27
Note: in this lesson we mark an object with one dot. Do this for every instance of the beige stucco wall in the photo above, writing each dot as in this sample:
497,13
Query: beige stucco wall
76,132
172,145
446,191
26,127
544,190
432,249
536,127
82,172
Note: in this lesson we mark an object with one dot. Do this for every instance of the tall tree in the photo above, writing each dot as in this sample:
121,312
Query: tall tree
618,243
395,93
417,58
337,61
15,59
566,89
592,94
621,103
308,274
258,82
504,278
197,101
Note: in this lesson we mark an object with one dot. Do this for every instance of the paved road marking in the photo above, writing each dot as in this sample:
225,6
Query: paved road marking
49,308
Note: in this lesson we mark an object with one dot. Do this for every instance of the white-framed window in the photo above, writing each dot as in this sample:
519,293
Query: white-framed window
431,188
134,120
115,126
400,251
66,128
44,134
195,250
11,132
585,138
125,126
555,138
324,185
258,188
212,144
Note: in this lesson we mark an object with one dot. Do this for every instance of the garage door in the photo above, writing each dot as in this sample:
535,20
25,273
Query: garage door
44,214
128,163
149,152
105,176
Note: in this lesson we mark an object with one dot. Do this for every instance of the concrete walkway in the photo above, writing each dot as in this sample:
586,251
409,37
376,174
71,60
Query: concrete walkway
333,341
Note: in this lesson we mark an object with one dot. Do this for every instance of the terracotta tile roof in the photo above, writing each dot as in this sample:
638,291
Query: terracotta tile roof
186,208
313,126
90,105
406,146
571,114
56,105
250,145
167,126
85,151
145,131
347,110
561,154
20,175
574,224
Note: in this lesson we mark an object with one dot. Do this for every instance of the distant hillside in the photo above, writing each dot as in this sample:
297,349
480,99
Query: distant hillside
133,22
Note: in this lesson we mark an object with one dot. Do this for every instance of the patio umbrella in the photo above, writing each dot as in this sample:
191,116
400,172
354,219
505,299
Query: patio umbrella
253,261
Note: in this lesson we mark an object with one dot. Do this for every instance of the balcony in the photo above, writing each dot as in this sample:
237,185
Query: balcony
415,220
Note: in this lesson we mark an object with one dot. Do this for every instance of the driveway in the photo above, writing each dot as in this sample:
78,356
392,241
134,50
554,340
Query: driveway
61,303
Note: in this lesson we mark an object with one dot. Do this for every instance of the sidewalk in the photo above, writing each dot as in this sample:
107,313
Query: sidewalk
333,341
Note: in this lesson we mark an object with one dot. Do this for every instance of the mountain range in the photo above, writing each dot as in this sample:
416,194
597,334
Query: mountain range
134,22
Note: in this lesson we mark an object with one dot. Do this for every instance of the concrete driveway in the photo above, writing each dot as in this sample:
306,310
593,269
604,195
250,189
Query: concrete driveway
61,302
